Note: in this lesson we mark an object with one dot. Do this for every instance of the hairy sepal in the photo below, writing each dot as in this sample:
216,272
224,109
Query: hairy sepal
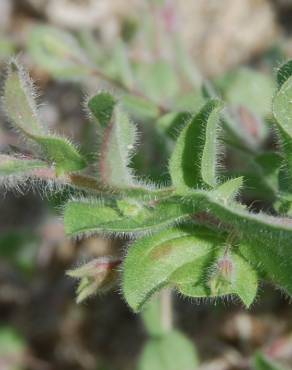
218,274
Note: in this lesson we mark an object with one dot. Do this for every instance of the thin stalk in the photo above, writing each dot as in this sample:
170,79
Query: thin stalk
166,309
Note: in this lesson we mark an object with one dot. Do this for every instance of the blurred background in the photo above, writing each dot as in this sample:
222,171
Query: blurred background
168,50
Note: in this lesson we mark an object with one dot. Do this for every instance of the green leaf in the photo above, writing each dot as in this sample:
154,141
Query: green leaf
21,109
152,260
218,274
283,113
116,150
170,123
184,166
284,72
170,352
271,260
122,63
62,153
83,217
262,363
282,107
139,107
102,107
158,80
258,227
19,100
58,52
249,88
13,166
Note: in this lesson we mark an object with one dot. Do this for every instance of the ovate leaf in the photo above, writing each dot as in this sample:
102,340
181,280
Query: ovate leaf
58,52
173,351
184,165
152,260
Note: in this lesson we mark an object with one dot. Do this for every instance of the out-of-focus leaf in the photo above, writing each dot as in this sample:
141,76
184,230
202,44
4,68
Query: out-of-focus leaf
173,351
262,363
140,107
157,80
58,52
249,88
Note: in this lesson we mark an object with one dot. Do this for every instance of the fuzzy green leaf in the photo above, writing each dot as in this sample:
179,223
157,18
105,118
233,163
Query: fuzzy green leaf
116,150
102,107
21,109
209,155
276,231
157,80
58,52
19,101
271,260
62,153
184,166
284,72
173,351
82,217
152,260
216,275
282,108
